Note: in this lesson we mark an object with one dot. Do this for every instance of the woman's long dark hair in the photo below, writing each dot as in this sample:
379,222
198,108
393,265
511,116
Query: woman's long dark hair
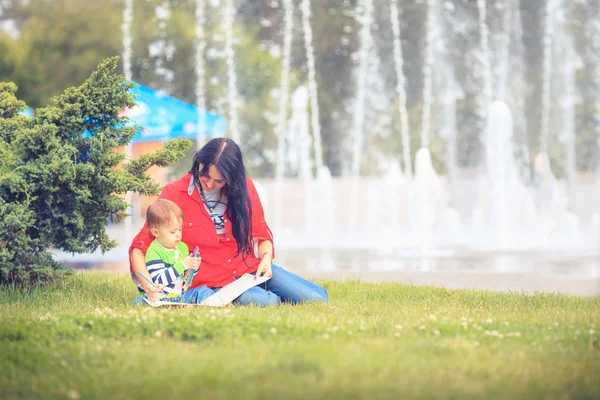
226,156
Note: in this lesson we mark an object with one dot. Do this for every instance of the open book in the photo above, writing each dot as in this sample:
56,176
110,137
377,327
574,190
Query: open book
221,298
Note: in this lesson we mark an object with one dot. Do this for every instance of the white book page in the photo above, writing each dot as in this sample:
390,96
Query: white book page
232,291
161,303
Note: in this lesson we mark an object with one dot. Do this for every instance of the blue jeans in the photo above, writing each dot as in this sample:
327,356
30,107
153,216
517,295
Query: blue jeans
283,286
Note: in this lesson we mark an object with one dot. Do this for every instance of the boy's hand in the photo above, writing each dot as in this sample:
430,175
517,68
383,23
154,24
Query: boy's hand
153,293
192,262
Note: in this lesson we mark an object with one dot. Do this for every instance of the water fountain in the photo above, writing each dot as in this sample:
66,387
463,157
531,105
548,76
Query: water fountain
162,49
504,53
506,193
570,63
425,192
594,54
448,90
299,144
200,89
547,74
312,83
401,214
506,218
324,213
546,196
425,202
400,87
394,182
385,208
232,94
127,39
126,56
428,73
486,69
366,20
288,25
450,93
516,88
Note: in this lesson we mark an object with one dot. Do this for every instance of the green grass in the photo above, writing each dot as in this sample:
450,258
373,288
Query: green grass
81,338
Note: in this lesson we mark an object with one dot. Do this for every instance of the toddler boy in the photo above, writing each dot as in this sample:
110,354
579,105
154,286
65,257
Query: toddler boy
167,258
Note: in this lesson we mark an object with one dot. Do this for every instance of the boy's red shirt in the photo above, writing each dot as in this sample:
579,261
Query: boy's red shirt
219,264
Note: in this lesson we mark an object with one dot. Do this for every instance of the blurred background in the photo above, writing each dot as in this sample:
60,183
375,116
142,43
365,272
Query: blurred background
384,135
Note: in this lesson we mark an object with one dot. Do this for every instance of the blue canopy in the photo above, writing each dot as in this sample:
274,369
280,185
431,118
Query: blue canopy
28,112
164,117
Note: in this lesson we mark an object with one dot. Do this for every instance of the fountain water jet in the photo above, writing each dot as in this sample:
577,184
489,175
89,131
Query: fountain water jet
447,88
299,144
162,49
127,39
566,72
516,88
400,88
288,21
200,89
502,78
366,39
508,200
547,74
427,73
312,83
450,93
127,53
485,54
232,94
325,212
425,202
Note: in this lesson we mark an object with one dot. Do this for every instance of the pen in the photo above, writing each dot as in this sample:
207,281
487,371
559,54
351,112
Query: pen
149,280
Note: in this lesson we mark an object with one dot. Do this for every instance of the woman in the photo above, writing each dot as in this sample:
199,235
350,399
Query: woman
224,218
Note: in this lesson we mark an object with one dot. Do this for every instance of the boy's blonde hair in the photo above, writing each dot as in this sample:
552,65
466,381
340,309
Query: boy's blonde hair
162,212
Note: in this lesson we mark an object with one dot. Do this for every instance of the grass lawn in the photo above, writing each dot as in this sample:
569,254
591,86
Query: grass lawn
81,338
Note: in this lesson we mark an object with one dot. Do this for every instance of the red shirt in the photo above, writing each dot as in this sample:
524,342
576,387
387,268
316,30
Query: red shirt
219,264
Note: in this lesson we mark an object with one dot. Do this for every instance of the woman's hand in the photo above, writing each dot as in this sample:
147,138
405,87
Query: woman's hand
265,266
192,262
